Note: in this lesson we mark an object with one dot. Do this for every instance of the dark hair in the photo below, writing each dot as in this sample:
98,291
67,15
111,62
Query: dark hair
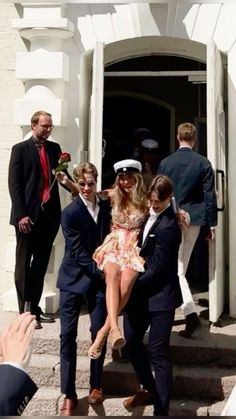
163,186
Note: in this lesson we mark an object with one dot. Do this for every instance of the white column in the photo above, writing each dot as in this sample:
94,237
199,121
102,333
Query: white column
45,71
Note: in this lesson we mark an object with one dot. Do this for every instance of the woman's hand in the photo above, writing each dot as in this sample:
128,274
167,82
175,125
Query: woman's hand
183,217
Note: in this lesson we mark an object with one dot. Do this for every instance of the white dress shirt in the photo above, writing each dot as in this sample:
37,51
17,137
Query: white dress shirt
151,220
89,205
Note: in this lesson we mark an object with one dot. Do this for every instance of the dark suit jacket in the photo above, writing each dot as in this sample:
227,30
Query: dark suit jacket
193,180
16,390
25,180
160,282
82,236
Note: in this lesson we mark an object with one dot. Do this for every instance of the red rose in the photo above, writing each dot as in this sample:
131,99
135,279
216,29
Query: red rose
64,158
63,161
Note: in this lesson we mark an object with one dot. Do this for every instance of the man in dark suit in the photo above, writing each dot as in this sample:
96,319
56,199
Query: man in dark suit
155,296
85,223
16,387
194,191
35,212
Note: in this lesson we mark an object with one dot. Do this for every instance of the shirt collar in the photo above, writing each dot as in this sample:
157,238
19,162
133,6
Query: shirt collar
89,203
185,146
37,142
154,215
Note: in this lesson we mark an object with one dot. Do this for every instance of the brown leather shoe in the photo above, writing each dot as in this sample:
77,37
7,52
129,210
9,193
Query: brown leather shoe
68,407
95,396
38,325
141,398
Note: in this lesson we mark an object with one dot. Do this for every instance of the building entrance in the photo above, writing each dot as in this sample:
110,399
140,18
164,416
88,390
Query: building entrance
154,105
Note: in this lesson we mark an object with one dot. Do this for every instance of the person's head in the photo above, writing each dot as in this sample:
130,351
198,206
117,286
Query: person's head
85,175
160,192
187,133
129,187
41,125
149,155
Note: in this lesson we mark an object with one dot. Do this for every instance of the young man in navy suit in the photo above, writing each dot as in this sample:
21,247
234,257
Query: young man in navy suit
35,211
16,387
194,191
85,223
156,295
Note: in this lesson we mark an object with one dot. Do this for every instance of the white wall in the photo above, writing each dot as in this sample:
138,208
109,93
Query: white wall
10,88
107,23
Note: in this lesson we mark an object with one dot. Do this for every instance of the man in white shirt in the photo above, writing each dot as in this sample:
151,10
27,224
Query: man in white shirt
194,189
85,223
156,295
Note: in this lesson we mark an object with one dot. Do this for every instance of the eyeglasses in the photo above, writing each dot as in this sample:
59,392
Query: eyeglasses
89,184
46,126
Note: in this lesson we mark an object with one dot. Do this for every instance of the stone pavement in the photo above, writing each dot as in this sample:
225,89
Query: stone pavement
204,370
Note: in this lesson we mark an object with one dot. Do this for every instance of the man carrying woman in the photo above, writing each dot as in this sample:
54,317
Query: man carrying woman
85,223
155,296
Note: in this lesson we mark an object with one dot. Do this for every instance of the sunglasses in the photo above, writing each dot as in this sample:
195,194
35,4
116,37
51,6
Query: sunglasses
89,184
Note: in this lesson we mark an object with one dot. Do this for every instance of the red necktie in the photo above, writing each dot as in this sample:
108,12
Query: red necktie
45,194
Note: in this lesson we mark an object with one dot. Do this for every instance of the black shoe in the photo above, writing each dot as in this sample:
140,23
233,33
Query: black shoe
38,325
42,318
192,323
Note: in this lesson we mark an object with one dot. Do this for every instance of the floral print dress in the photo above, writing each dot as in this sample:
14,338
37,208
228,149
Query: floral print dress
120,246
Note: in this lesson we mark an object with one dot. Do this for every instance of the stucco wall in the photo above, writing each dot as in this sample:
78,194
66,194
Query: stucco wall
10,89
107,23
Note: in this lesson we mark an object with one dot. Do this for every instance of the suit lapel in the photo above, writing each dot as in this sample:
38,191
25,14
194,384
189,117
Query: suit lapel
85,213
155,224
150,232
33,151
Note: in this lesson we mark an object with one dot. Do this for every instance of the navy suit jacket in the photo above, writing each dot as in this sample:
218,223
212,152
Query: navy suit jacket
16,390
194,189
82,236
160,282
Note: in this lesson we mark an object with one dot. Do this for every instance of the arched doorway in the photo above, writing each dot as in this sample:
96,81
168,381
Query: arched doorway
92,94
158,103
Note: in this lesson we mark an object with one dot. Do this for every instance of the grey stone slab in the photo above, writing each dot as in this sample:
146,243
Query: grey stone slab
212,383
47,402
44,403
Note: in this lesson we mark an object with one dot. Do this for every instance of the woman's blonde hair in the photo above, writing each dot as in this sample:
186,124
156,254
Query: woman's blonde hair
136,198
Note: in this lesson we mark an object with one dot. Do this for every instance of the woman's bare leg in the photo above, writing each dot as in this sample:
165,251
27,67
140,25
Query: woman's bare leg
119,287
128,278
112,276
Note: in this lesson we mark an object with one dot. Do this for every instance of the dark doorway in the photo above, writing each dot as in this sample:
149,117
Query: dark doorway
125,111
123,116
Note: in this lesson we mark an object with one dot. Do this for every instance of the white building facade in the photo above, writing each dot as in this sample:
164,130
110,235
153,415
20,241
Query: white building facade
106,69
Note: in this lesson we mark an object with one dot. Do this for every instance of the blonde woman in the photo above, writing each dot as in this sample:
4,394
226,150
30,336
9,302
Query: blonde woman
118,257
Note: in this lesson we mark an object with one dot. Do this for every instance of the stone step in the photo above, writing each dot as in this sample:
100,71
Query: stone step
210,346
47,402
119,378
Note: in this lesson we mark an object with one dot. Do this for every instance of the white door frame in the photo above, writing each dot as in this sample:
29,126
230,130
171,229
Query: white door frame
141,46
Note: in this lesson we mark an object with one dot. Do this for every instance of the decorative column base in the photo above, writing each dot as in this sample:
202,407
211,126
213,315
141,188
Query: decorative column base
49,302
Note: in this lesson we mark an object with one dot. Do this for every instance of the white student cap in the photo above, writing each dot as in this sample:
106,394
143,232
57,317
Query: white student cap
149,144
127,166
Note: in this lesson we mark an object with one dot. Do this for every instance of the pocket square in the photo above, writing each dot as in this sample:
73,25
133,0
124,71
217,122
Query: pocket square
151,235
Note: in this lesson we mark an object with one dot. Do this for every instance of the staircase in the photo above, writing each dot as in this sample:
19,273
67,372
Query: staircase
204,373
